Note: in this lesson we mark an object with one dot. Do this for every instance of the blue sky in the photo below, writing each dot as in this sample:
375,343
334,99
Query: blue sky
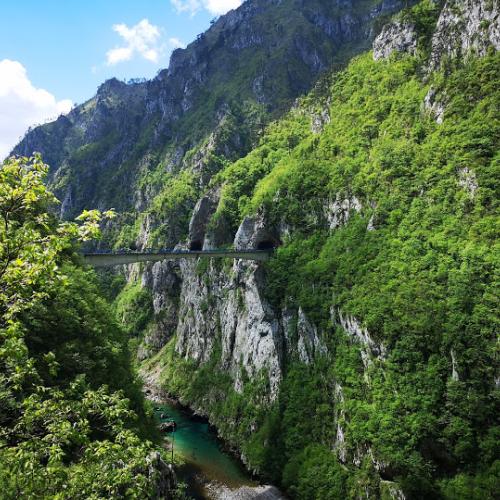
54,53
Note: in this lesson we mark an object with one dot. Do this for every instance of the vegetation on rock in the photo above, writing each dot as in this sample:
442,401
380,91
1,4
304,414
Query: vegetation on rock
415,261
381,186
68,398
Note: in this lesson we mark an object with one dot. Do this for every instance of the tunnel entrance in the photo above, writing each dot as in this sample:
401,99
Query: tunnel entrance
266,245
196,246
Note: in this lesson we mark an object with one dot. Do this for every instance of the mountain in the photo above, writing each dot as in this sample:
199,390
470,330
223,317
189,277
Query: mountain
360,361
247,68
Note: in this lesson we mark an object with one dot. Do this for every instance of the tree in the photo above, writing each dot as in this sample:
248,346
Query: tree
63,432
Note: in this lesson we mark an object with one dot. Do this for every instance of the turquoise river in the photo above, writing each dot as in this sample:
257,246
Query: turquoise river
202,453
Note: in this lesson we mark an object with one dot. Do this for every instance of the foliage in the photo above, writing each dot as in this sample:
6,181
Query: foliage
68,400
414,259
134,308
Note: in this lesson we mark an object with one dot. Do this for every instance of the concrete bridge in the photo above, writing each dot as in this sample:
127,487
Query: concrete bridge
104,259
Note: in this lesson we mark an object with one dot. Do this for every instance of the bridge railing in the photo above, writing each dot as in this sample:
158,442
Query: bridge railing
155,251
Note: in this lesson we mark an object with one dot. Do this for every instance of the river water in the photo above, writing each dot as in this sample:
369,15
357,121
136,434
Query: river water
205,460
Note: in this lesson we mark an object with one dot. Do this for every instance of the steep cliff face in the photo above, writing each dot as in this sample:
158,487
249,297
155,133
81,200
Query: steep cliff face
356,361
246,68
357,334
465,28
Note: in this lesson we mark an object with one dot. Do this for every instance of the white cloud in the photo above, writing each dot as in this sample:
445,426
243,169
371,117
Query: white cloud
22,105
176,43
191,6
220,7
216,7
141,39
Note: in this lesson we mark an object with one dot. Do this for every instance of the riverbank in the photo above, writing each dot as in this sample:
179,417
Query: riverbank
266,492
210,469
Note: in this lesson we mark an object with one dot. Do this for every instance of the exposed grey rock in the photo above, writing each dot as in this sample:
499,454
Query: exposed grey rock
203,211
319,120
397,36
468,181
144,233
243,238
253,232
134,128
218,491
392,490
67,204
309,345
338,211
435,104
371,224
258,89
466,26
196,329
454,372
162,475
233,307
250,328
163,279
289,327
339,445
369,348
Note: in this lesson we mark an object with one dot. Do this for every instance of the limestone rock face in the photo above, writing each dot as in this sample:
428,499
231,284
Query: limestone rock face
163,475
435,104
255,232
468,181
368,347
395,37
234,311
309,344
103,147
163,279
466,26
339,210
198,225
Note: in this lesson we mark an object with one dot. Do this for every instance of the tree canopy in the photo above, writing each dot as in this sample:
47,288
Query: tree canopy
69,401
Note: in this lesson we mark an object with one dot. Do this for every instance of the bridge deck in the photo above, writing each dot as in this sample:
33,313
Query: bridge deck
115,259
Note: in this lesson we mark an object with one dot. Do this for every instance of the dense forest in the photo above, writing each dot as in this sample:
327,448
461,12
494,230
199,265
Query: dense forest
69,400
361,360
415,262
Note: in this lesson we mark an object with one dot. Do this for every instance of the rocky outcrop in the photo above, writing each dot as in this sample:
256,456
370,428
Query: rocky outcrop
254,233
398,36
162,476
167,426
339,446
309,345
464,27
368,347
319,120
198,225
391,490
435,104
468,181
163,279
220,492
339,210
104,147
231,310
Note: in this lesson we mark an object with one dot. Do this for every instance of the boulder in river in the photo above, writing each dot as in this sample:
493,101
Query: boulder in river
167,426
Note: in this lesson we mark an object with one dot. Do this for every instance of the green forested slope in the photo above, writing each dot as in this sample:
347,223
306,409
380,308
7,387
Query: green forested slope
416,264
69,401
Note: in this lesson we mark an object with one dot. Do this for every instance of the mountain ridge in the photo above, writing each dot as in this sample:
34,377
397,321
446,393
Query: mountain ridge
126,130
359,362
